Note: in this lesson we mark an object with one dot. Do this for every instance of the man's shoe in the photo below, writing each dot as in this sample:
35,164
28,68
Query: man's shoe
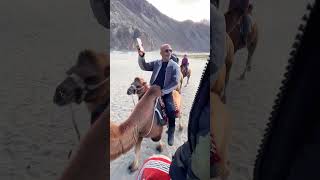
171,135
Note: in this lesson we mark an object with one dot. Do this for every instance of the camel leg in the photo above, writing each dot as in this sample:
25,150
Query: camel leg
186,84
251,49
135,164
159,147
249,63
247,67
181,83
224,97
188,80
180,124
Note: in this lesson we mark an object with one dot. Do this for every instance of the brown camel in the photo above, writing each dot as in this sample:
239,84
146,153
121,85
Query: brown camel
221,129
185,73
233,21
87,81
220,85
140,124
139,87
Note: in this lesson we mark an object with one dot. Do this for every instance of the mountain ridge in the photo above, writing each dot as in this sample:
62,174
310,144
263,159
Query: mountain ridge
130,19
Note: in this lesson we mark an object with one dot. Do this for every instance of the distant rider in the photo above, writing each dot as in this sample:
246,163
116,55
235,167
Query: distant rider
185,62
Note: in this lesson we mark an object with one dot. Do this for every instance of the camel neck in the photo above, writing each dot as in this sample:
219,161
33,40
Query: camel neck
97,100
145,89
98,111
97,107
122,138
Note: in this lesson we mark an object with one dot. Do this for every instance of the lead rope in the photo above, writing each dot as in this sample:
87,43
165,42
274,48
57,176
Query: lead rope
134,104
75,126
74,123
154,111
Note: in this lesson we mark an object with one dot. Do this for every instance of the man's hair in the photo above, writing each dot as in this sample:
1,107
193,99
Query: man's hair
163,45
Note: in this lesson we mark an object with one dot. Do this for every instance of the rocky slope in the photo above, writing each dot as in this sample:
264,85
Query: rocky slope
138,18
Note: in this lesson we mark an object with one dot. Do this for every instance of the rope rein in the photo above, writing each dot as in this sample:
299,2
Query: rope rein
75,125
134,103
154,111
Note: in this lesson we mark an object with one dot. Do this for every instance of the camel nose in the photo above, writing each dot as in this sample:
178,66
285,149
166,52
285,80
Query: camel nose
60,96
129,91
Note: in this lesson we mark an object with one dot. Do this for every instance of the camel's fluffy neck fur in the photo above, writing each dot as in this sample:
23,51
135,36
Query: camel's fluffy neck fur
124,136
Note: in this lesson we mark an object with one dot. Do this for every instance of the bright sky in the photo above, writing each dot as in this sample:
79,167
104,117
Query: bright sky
195,10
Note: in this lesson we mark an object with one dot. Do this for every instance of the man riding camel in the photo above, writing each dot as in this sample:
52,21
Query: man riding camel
244,7
166,74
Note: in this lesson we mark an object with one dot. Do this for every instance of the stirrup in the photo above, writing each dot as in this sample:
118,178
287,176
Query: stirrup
160,112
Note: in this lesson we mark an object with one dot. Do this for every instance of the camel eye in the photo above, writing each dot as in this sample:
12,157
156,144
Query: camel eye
139,86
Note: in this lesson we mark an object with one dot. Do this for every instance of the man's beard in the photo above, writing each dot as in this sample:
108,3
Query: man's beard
166,59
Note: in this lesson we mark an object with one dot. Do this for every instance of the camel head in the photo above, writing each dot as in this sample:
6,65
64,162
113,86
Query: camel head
139,86
86,81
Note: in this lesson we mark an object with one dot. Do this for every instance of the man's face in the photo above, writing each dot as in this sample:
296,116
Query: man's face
166,52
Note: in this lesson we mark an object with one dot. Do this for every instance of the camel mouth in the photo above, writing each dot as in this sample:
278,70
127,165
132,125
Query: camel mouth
62,97
66,93
132,90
